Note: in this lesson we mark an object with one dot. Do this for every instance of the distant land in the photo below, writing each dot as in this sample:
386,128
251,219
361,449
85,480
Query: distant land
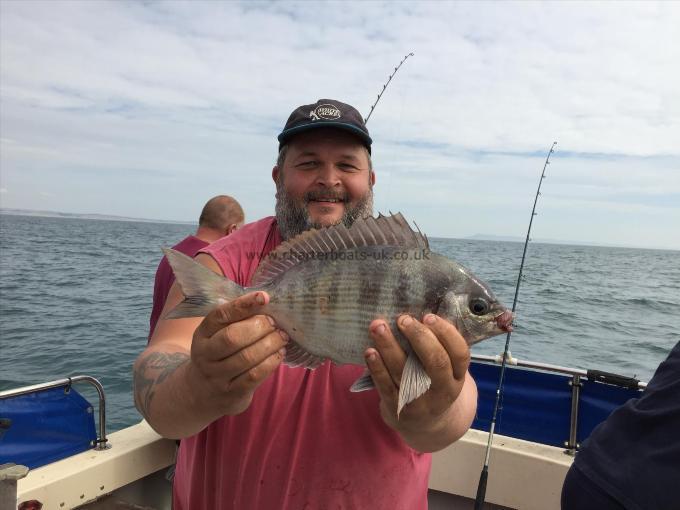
475,237
539,240
485,237
107,217
535,240
517,239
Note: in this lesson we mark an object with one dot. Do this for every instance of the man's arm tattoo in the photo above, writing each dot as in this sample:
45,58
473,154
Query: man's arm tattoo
151,371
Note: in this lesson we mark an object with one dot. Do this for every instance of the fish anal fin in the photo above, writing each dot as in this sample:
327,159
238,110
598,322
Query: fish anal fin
297,356
414,382
364,383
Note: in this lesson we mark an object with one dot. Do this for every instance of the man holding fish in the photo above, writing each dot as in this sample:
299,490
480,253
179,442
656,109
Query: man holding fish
254,371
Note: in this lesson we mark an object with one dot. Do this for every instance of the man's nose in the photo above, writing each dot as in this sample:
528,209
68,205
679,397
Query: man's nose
328,176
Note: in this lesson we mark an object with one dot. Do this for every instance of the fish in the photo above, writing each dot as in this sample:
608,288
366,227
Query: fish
327,285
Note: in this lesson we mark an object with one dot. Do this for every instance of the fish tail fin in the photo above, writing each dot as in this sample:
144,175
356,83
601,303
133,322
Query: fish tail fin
203,288
414,381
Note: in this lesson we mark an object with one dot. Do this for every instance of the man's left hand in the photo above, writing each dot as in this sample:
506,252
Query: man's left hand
442,414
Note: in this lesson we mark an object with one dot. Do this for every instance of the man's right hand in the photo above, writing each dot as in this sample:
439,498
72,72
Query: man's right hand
195,371
234,349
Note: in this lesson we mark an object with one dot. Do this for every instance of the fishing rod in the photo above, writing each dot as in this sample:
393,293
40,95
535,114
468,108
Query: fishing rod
389,79
483,477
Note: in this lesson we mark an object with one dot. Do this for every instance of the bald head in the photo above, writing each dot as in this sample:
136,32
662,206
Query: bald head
220,216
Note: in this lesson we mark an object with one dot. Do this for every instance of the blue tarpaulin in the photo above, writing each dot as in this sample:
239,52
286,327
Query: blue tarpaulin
536,406
45,426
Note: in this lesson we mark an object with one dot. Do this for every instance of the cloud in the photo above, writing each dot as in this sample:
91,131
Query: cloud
117,105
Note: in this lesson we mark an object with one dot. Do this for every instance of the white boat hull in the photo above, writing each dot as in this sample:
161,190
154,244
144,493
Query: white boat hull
522,475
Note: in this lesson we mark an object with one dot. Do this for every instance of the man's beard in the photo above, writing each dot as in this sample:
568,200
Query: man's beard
293,218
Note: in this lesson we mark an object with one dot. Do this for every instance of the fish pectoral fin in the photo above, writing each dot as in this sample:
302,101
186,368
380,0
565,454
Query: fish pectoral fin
297,356
414,381
364,383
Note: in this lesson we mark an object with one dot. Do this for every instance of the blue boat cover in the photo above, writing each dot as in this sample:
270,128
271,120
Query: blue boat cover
45,426
53,424
536,406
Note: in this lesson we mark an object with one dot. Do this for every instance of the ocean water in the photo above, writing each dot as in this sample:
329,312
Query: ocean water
75,298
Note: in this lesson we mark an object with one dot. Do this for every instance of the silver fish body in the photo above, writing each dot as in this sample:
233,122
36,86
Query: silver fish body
326,306
326,286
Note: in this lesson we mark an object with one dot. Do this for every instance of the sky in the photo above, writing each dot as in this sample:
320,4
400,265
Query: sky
147,109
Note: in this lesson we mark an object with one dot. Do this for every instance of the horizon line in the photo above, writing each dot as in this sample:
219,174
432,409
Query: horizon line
474,237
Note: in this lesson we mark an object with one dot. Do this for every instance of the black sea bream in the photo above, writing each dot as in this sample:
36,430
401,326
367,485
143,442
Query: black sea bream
327,285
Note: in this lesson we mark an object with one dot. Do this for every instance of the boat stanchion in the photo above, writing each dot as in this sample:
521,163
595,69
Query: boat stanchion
10,474
572,444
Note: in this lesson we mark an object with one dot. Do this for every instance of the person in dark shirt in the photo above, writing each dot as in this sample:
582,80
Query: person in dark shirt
631,460
220,216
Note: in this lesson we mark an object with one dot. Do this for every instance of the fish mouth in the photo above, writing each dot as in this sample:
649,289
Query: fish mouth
504,320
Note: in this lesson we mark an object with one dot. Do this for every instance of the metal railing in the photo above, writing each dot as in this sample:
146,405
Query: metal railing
575,382
101,442
598,375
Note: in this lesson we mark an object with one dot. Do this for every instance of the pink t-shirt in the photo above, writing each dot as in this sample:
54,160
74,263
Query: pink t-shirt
305,442
165,277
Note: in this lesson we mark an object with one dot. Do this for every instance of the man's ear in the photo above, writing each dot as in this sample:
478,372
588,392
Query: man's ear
372,178
275,173
231,228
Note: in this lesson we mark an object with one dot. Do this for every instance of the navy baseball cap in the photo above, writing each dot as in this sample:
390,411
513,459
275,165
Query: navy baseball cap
325,113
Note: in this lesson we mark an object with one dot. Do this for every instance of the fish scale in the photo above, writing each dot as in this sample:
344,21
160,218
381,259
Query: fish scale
351,309
326,300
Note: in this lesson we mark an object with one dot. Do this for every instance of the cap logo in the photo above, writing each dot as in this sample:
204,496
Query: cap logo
325,111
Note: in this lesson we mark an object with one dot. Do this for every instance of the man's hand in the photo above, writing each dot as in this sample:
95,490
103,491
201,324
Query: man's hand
444,413
182,382
234,350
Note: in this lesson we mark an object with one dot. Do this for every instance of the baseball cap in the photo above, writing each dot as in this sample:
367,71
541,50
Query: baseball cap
325,113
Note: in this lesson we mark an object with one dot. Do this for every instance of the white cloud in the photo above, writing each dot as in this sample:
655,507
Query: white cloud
119,104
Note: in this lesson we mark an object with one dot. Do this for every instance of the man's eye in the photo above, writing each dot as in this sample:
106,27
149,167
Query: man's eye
306,164
347,167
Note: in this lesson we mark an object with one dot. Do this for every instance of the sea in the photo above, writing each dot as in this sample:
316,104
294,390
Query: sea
75,298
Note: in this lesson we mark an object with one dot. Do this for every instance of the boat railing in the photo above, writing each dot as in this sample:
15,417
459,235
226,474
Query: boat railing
101,443
576,383
598,375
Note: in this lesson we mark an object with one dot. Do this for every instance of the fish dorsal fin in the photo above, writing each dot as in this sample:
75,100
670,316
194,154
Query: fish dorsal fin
391,230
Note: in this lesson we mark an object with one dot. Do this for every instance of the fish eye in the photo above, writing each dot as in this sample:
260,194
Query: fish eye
479,306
